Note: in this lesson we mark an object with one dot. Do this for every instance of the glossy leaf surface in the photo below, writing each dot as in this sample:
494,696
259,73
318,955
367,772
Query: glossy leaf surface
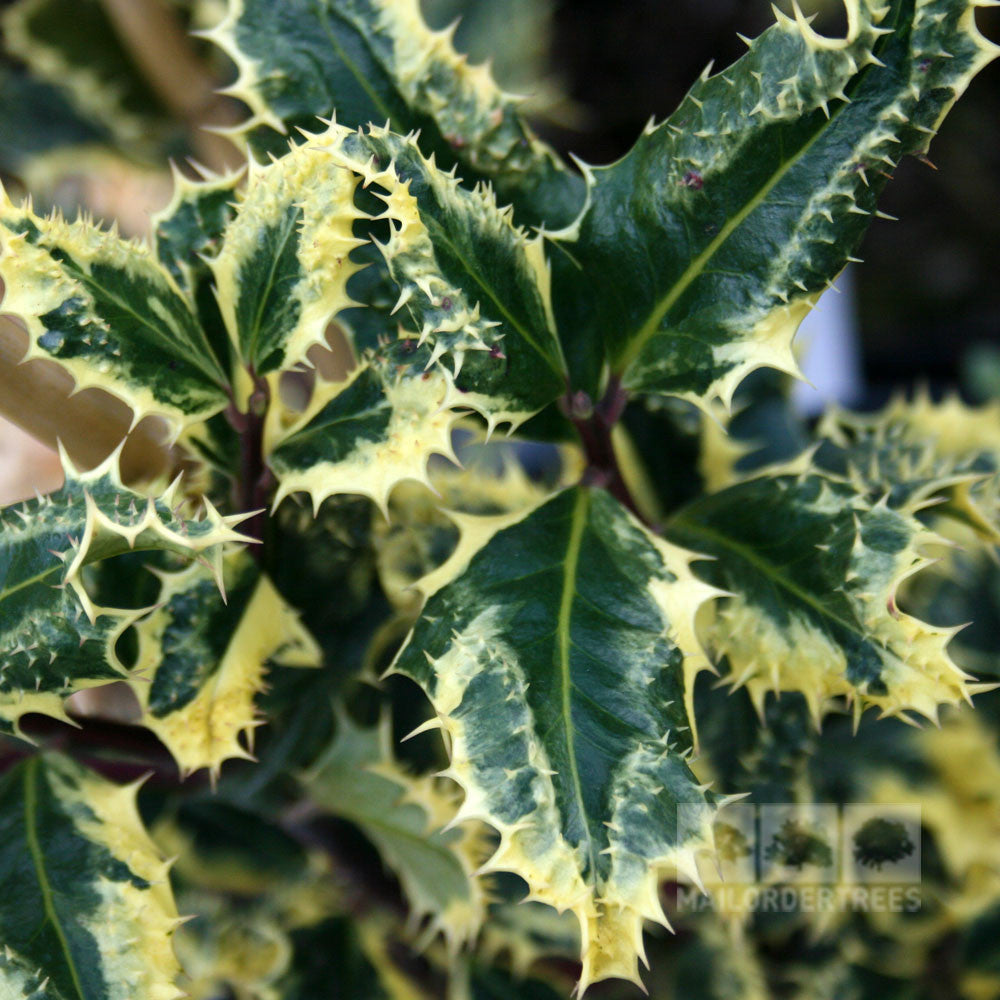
698,253
87,913
376,61
559,661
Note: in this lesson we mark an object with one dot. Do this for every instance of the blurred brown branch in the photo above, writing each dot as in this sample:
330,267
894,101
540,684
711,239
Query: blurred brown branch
38,397
166,54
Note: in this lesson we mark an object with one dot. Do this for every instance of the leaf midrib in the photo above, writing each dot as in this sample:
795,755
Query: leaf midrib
382,107
578,521
38,859
767,569
504,311
694,270
216,377
37,578
253,339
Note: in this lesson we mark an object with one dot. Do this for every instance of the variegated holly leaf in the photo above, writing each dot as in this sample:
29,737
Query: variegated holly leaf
944,455
469,281
812,568
52,646
464,274
474,329
560,661
370,432
376,61
36,118
187,232
87,910
698,254
54,639
282,271
73,45
203,656
109,314
409,819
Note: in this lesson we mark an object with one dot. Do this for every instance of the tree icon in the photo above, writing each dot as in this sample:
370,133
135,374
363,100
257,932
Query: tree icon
796,845
731,843
881,841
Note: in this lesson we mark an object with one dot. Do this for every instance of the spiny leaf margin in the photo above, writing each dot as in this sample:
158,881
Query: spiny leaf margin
408,77
106,311
812,568
89,901
745,204
49,649
475,653
202,659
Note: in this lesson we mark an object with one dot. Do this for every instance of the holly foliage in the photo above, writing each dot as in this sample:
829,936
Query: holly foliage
514,497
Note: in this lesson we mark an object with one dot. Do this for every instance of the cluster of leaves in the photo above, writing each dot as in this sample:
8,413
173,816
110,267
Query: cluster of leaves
556,594
83,88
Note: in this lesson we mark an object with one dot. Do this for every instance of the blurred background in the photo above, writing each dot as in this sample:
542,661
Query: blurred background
97,95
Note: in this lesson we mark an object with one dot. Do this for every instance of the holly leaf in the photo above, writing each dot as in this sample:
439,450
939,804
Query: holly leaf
468,279
474,330
409,819
105,310
281,273
368,433
560,661
813,568
88,910
72,45
203,656
698,253
186,233
944,456
54,639
377,61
